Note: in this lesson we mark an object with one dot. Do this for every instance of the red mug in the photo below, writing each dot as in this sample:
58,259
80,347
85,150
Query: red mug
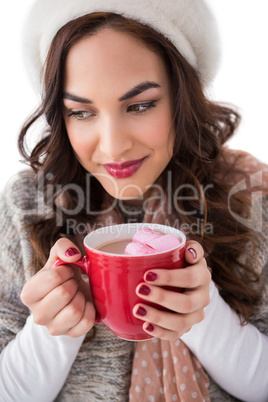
114,277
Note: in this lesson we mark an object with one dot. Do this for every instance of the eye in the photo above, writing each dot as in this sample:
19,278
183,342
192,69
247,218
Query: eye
80,114
141,107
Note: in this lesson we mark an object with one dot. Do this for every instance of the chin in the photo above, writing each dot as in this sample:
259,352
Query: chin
128,192
125,189
128,195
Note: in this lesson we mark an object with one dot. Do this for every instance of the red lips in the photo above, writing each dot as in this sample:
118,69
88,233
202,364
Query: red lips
124,169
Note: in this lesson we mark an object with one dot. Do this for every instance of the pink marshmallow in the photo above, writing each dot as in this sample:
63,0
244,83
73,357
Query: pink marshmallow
163,243
145,234
147,241
136,248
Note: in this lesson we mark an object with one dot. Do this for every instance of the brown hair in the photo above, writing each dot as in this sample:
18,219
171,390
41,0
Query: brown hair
202,127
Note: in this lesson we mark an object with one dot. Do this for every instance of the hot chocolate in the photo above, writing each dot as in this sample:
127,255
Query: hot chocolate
114,246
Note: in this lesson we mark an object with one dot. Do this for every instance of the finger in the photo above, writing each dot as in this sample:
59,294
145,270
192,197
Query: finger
85,324
179,323
194,252
184,303
44,282
84,287
54,302
69,316
159,332
65,250
192,276
162,333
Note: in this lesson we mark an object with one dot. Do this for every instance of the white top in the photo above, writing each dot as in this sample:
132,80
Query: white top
35,365
220,342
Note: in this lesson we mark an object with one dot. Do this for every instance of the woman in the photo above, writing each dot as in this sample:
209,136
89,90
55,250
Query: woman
131,136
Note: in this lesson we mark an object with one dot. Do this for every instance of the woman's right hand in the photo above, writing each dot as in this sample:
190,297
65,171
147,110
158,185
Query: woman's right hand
59,298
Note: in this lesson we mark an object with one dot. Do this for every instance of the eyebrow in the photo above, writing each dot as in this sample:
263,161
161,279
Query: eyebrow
75,98
142,87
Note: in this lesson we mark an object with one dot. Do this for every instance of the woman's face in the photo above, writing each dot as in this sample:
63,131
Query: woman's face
117,112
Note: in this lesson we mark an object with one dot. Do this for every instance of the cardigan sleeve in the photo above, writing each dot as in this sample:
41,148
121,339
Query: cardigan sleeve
236,356
12,312
33,364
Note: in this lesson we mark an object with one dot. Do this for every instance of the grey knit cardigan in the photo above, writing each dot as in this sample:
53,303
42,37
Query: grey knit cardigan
102,369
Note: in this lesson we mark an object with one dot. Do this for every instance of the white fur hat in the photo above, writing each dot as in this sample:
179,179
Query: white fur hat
188,24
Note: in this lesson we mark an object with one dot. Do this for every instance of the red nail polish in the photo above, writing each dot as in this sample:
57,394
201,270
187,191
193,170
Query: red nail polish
193,252
144,290
151,277
141,311
150,328
71,251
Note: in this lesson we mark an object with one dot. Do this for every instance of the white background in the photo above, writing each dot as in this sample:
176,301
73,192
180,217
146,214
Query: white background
242,79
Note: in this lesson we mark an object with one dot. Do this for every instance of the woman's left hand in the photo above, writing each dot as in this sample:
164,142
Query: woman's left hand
186,308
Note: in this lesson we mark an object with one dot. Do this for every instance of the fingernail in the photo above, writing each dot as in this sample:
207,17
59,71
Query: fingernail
141,311
151,277
150,328
193,252
144,290
71,251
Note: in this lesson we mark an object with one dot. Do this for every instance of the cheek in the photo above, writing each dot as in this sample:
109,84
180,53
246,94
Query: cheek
77,146
161,136
81,142
159,130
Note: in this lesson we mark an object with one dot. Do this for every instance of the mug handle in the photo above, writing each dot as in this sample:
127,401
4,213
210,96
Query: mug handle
83,264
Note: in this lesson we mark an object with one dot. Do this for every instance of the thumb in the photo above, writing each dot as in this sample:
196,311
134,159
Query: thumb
64,249
193,252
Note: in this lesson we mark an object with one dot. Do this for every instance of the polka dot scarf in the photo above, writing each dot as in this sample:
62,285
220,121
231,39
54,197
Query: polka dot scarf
162,371
167,371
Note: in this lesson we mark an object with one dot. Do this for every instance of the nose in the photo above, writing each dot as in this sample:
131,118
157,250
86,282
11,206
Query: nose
114,138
